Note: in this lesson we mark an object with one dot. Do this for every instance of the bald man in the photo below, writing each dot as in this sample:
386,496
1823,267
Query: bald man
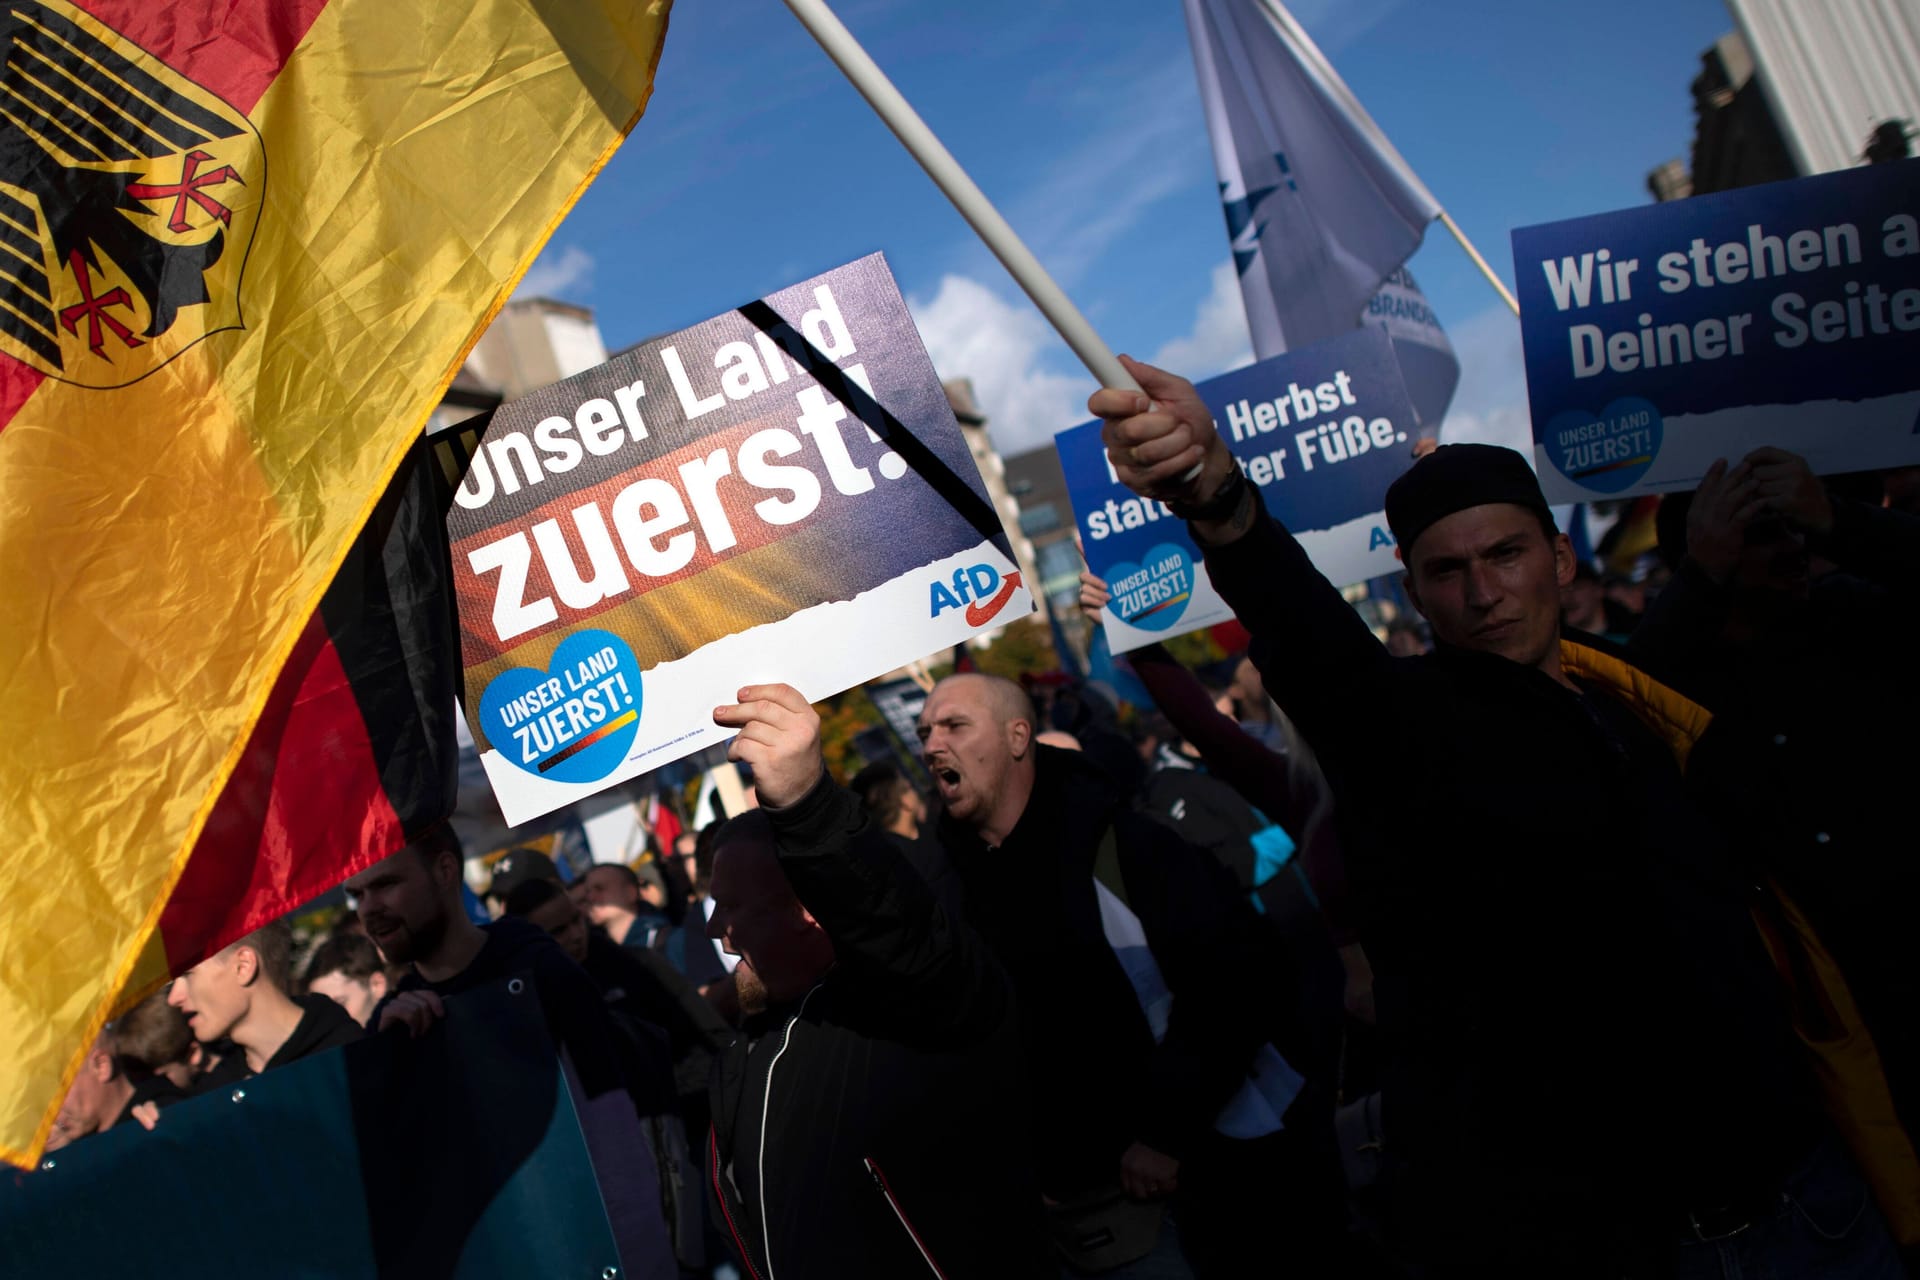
1147,989
869,1119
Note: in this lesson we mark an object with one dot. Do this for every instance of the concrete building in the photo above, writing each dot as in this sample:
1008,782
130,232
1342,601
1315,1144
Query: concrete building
1039,487
1801,88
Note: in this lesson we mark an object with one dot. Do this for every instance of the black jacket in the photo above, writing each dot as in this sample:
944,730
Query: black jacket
643,985
574,1009
1812,753
1100,1083
875,1127
1589,1036
324,1024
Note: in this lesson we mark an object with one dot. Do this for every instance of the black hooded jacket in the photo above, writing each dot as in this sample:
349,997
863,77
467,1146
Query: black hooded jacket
324,1024
1589,1037
1100,1083
875,1127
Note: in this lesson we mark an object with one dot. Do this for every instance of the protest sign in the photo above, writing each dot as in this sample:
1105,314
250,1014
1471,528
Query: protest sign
1323,431
1661,338
899,703
778,494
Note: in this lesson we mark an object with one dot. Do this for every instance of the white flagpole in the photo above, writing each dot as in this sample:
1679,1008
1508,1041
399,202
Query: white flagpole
959,188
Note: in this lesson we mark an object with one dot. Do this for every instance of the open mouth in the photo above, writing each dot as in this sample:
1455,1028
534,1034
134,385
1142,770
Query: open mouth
949,779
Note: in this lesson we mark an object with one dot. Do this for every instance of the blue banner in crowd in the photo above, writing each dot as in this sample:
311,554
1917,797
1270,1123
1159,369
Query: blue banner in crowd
1661,338
1323,431
455,1155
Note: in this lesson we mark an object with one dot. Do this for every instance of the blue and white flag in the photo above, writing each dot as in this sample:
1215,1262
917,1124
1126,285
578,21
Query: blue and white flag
1321,210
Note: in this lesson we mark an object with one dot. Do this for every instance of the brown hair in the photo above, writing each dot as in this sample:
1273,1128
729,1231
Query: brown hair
273,944
150,1035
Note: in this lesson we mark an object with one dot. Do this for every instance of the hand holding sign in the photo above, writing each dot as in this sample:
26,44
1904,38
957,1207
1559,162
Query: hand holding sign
1723,506
1789,487
779,740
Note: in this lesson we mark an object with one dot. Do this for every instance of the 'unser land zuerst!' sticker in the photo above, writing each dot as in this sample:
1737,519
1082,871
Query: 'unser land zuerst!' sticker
1321,432
780,494
1661,338
574,721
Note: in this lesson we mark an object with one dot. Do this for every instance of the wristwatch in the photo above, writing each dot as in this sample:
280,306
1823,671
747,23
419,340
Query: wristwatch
1220,506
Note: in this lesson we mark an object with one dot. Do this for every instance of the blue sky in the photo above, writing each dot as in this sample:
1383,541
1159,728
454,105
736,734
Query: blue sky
757,165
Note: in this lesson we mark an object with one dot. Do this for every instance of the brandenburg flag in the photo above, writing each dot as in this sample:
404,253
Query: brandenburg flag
244,245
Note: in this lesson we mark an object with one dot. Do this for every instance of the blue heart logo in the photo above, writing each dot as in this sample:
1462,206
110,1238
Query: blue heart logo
574,721
1606,453
1153,594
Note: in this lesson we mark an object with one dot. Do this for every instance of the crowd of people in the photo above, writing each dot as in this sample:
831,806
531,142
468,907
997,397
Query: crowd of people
1562,936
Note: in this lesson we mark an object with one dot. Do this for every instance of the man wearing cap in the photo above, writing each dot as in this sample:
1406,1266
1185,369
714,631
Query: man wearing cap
1596,1071
516,867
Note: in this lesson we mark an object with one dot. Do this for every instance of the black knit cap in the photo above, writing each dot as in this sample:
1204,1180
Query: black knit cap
1453,478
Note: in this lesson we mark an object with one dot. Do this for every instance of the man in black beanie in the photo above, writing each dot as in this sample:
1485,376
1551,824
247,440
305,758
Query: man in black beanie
1594,1071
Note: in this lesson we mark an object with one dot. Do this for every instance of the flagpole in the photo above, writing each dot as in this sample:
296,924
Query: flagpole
1499,285
967,197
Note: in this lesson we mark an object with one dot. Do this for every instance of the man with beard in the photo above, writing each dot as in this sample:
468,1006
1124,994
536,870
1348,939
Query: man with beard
411,908
867,1120
1148,993
1594,1070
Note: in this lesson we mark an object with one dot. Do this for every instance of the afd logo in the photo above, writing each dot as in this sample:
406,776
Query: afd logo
980,588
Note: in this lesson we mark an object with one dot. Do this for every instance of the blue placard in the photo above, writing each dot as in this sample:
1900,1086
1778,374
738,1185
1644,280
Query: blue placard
1323,431
1660,338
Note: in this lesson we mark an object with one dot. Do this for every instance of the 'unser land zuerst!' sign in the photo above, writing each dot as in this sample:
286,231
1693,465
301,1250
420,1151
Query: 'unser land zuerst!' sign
1658,339
1323,431
779,494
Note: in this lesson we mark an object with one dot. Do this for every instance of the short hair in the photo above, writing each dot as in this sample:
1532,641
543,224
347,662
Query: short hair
627,873
436,840
149,1036
886,799
351,955
273,944
529,896
1007,700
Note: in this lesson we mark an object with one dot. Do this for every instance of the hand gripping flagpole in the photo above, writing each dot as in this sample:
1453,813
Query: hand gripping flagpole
959,188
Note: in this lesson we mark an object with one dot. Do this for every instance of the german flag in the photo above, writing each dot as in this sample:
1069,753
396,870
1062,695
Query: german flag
244,246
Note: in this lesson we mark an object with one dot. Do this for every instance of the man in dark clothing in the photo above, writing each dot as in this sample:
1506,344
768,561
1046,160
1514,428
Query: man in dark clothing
410,904
898,808
1148,989
240,994
868,1118
1599,1074
105,1092
639,985
1811,687
631,909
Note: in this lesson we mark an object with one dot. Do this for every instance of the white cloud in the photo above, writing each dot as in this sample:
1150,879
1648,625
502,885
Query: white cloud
1218,340
1490,405
1151,144
1006,348
556,277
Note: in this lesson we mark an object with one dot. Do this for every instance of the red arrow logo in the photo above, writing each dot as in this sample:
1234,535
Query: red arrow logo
979,615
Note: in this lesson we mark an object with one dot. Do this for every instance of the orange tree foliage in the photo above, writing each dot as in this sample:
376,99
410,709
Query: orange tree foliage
842,720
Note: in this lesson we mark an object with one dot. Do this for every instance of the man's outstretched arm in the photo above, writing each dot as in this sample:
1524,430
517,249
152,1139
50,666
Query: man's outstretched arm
1316,656
851,878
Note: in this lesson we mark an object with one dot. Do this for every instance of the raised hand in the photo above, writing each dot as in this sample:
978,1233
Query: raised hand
1156,436
1723,506
779,740
1790,489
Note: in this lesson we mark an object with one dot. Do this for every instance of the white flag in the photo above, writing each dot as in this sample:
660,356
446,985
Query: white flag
1321,210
